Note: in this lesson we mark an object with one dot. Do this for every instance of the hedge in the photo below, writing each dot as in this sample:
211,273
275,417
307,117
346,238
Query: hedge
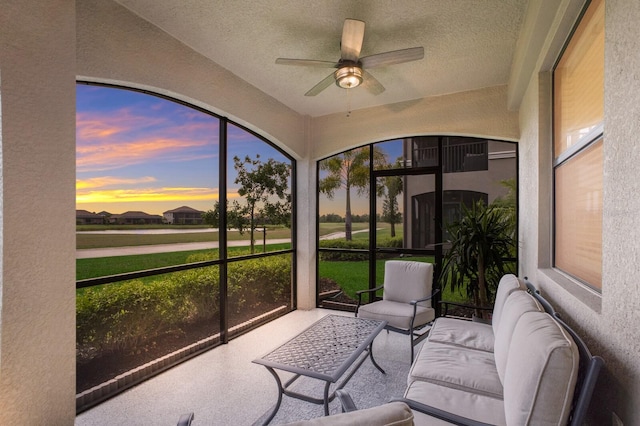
123,316
395,242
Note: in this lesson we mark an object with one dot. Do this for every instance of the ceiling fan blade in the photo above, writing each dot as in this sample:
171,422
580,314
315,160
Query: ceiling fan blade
326,82
306,63
393,57
372,84
352,38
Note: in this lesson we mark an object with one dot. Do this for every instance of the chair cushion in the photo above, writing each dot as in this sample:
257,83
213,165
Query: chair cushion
405,281
396,314
474,406
457,332
541,372
458,368
390,414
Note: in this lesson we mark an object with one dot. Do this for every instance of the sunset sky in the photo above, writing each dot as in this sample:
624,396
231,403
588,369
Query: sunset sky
140,152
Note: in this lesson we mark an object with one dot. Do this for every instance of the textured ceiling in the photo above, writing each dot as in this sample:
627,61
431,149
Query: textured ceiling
469,44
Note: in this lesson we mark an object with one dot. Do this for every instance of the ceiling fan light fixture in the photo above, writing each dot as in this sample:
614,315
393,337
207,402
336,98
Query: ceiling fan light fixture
348,77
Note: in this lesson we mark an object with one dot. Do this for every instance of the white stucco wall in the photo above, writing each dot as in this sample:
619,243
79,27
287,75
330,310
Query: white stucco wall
116,46
37,318
481,113
610,324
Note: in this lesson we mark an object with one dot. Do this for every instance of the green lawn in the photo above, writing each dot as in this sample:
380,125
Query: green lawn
105,266
353,276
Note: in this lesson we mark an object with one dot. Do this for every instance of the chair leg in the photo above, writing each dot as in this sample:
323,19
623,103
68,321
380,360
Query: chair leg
411,343
411,338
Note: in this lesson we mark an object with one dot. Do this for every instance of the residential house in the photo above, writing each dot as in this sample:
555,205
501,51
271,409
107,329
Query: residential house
136,218
84,217
183,216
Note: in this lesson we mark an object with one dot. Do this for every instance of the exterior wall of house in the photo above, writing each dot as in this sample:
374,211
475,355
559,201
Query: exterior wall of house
609,321
37,266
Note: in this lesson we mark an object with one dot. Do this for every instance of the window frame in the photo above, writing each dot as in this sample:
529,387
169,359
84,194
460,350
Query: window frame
586,141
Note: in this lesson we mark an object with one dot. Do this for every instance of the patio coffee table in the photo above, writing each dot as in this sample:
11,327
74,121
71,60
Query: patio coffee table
324,351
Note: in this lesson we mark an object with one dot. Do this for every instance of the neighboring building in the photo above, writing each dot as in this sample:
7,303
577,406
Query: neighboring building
136,218
183,216
84,217
473,169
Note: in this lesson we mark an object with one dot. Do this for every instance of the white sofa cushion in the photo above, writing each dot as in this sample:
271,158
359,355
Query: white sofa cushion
476,335
457,367
516,305
507,285
468,334
541,372
475,406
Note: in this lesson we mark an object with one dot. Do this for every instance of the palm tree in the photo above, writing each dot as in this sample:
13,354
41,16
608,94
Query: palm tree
348,170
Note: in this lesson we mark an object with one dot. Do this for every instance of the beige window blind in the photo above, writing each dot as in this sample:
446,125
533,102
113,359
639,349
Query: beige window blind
579,81
578,238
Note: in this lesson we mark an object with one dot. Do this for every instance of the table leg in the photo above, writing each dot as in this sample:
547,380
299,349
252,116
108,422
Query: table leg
326,398
373,360
280,392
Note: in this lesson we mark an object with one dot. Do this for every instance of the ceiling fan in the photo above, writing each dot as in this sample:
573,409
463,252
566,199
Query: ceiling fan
351,69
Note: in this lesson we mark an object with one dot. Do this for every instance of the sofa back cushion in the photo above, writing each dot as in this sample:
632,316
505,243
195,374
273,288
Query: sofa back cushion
516,305
507,285
405,281
541,372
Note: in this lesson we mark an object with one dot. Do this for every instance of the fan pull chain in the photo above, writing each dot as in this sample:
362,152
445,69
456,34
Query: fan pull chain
349,103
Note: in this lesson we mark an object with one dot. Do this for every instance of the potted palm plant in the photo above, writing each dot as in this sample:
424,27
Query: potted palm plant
481,242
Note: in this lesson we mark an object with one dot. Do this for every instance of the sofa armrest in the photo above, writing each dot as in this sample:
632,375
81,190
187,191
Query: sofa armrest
440,414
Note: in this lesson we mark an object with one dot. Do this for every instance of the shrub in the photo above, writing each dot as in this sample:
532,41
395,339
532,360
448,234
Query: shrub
123,316
393,242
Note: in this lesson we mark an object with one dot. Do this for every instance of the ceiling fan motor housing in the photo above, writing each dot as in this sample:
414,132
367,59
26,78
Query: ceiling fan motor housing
349,75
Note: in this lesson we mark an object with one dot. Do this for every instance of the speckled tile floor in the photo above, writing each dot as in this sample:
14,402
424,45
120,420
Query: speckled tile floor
221,386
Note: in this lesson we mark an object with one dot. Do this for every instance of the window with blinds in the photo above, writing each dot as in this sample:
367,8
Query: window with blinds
578,113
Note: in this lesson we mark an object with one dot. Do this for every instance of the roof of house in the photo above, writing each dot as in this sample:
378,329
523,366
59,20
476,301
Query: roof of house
137,215
84,214
183,209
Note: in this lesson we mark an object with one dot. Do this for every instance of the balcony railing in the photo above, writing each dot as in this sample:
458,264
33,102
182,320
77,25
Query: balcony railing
466,157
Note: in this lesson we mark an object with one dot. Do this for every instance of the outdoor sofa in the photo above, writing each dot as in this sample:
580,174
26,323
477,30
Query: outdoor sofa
525,368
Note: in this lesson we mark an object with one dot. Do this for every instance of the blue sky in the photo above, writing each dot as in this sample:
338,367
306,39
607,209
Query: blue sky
140,152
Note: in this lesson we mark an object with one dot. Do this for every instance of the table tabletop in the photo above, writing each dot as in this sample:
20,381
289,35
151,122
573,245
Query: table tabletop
326,349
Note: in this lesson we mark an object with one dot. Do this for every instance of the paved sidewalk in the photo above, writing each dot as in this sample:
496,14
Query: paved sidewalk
163,248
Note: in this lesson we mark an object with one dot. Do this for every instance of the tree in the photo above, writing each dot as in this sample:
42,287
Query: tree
392,187
348,170
480,243
264,186
259,182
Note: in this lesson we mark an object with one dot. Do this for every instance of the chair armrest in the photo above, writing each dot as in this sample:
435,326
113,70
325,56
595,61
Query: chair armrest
359,293
440,414
424,299
185,419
